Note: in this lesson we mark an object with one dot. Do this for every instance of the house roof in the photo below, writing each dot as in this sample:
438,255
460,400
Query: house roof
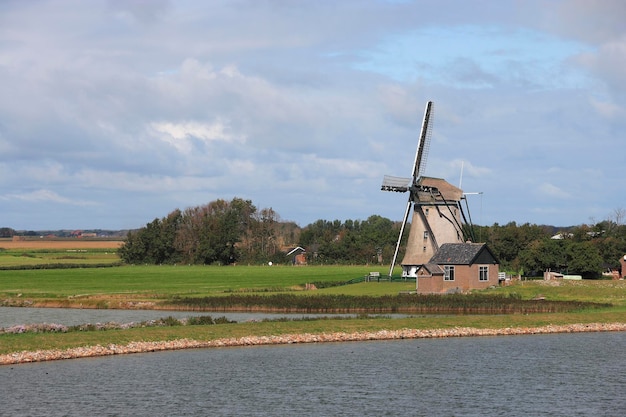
460,253
434,269
296,251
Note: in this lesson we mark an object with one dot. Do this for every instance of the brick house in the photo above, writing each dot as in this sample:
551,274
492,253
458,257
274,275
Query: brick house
458,267
298,255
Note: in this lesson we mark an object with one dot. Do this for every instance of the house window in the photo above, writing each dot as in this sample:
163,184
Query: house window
483,273
425,235
426,212
448,273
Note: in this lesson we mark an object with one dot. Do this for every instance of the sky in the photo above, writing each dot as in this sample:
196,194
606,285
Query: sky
116,112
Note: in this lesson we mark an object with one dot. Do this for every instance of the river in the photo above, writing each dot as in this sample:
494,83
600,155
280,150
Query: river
553,375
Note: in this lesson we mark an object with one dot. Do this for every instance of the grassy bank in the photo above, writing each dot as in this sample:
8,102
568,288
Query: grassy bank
10,343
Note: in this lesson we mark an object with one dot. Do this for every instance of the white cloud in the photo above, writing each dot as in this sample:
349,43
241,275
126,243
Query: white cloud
605,64
552,191
608,110
181,135
46,196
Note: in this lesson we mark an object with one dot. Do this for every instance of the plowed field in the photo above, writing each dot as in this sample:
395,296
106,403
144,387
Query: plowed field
35,244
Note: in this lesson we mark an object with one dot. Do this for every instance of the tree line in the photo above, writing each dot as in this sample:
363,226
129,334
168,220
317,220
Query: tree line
218,233
229,232
586,250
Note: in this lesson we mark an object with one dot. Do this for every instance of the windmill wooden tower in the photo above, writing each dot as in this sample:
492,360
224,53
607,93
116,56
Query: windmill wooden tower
436,205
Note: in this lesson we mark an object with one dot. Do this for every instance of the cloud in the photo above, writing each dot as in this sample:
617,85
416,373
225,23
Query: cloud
181,135
594,22
139,10
46,196
608,109
139,107
552,191
606,64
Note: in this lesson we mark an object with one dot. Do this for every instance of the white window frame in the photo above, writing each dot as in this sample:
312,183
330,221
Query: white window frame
483,273
448,272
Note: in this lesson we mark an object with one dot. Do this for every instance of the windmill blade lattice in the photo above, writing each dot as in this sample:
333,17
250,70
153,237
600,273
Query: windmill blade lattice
400,184
423,146
427,138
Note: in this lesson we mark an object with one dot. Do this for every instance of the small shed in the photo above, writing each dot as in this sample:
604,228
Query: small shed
298,256
552,275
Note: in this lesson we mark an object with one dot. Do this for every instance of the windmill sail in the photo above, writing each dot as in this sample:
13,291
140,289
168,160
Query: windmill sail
419,166
397,184
409,184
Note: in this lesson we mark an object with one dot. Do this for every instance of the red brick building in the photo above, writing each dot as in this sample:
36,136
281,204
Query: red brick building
458,267
298,255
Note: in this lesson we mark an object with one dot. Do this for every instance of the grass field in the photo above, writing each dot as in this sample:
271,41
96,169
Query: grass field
36,251
58,244
145,286
90,286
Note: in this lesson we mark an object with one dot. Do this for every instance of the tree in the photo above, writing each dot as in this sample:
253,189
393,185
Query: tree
610,250
542,255
187,238
7,232
583,258
154,243
507,242
133,250
263,235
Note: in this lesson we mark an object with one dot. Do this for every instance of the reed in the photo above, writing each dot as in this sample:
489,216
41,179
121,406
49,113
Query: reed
403,303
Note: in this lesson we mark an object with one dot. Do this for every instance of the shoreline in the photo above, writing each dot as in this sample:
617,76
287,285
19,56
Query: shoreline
145,347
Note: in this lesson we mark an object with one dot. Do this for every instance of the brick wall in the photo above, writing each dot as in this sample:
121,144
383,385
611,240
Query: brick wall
465,278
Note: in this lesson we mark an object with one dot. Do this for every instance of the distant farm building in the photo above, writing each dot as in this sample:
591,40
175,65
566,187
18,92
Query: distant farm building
552,275
298,256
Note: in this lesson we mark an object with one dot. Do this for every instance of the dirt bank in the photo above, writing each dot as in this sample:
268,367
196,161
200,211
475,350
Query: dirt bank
139,347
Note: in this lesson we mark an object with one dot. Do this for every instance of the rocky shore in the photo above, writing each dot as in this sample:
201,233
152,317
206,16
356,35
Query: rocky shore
139,347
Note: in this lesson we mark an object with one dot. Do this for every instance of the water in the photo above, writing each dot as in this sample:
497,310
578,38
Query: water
551,375
12,316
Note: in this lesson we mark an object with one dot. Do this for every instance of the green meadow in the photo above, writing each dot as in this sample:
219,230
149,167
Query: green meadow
149,286
22,258
160,283
163,282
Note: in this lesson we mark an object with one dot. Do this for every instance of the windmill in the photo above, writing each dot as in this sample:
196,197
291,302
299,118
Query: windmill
436,204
